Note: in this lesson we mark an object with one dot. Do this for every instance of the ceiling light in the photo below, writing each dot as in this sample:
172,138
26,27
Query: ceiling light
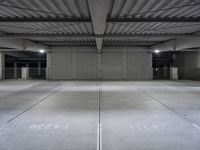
42,51
157,51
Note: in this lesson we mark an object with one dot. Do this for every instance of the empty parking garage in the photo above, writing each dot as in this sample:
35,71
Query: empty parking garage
99,75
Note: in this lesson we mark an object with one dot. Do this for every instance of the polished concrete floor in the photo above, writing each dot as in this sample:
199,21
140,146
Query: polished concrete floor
89,115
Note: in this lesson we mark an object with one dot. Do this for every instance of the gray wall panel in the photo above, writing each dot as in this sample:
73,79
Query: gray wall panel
187,63
139,66
86,64
112,66
61,64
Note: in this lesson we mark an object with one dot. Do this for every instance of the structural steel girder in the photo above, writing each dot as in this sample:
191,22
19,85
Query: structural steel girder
98,36
89,20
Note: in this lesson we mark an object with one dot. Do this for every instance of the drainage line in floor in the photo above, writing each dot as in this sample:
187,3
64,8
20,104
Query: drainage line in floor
193,124
99,135
29,108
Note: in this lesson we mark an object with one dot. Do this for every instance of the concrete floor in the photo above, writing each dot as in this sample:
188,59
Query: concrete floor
64,115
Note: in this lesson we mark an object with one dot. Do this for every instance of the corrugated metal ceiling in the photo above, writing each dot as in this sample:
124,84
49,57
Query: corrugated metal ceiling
44,8
154,8
47,28
118,9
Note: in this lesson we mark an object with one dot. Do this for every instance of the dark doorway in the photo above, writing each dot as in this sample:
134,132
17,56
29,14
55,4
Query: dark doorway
36,62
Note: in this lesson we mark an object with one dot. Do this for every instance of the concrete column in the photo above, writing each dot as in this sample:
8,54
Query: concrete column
165,71
198,64
39,68
2,65
25,73
174,73
49,66
150,62
74,63
125,75
15,70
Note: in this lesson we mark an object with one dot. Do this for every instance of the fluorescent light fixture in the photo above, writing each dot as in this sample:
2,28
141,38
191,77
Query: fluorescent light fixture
157,51
42,51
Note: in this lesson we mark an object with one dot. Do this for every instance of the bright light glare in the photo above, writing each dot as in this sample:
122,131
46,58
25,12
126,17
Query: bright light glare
157,51
42,51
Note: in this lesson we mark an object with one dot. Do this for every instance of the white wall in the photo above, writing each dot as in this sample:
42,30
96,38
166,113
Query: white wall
80,63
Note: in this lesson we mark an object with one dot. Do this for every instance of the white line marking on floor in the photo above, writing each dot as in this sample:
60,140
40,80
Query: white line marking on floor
99,137
196,126
29,108
145,127
99,130
48,127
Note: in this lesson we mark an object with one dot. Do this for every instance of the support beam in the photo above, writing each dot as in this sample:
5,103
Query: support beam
150,19
46,35
127,49
98,12
98,36
20,44
152,35
178,44
49,19
15,54
88,20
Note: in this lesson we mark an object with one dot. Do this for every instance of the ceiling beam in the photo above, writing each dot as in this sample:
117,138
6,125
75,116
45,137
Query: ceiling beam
98,36
74,45
151,19
45,35
126,48
106,42
16,54
178,44
98,11
21,44
151,35
49,19
102,14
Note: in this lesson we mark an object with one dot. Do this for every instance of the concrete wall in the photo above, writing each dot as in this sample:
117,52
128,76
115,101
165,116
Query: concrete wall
85,64
188,63
2,65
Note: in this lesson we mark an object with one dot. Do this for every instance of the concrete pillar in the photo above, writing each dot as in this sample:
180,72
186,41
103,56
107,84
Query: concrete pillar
39,68
25,73
150,62
15,70
198,55
174,73
165,71
49,66
2,65
74,63
198,64
125,74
